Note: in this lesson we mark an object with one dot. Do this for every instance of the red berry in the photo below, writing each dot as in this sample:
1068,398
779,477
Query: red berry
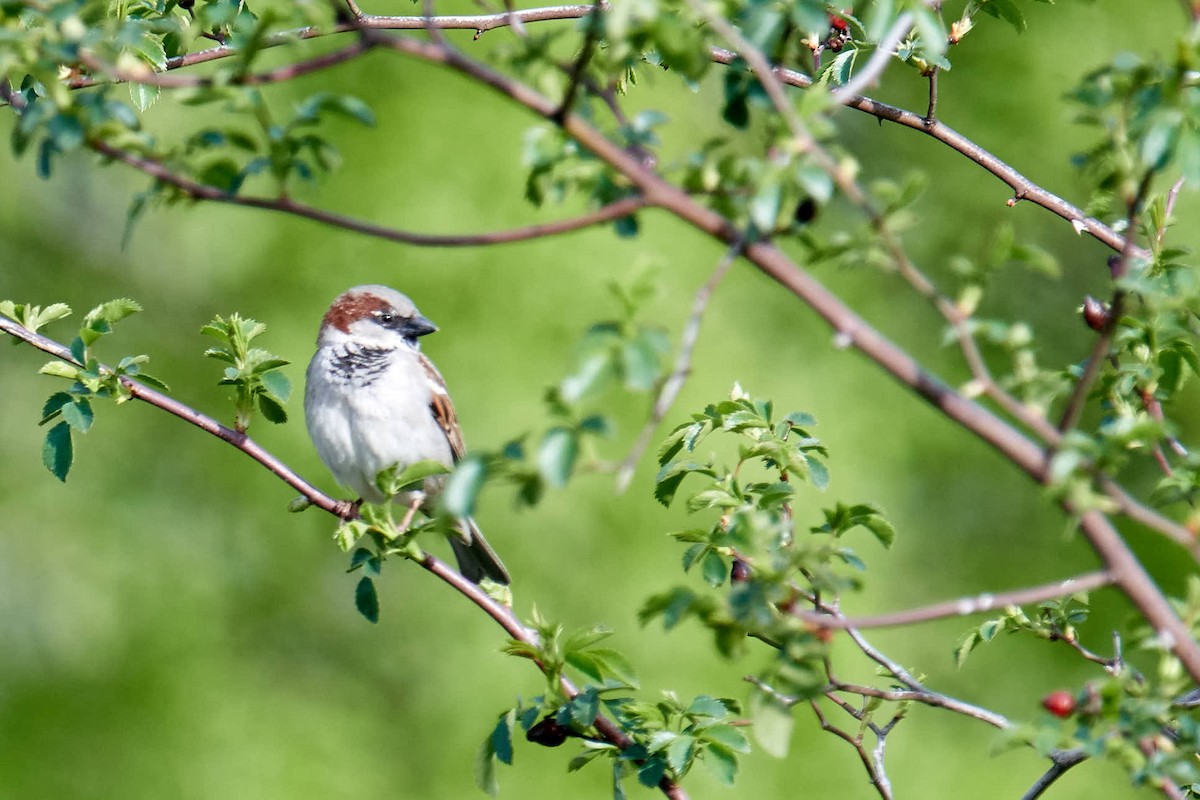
1061,703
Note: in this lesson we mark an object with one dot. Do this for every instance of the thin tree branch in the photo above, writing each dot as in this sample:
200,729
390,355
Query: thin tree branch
1118,267
1064,761
578,67
501,614
963,606
683,366
608,213
169,80
1023,188
878,779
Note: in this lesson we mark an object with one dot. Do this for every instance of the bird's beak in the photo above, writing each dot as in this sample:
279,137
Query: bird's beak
418,326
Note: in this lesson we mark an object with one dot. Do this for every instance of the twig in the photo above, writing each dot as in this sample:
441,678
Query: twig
878,779
578,67
200,191
963,606
1023,188
683,366
931,109
168,80
1061,762
1099,352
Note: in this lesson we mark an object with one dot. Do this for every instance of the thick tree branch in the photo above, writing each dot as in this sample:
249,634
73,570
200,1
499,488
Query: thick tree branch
852,330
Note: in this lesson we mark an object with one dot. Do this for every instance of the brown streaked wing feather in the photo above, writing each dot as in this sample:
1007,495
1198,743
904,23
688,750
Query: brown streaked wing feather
443,409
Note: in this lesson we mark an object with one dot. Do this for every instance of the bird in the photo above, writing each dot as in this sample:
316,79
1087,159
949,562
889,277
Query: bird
373,400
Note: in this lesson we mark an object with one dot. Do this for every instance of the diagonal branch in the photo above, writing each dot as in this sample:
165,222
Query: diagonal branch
852,330
963,606
199,191
501,614
1022,187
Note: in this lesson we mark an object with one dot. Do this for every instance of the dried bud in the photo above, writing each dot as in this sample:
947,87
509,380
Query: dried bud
740,573
1061,703
806,211
548,733
1097,315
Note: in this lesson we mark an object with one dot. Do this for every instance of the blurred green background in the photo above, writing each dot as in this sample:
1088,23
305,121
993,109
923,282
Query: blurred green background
167,629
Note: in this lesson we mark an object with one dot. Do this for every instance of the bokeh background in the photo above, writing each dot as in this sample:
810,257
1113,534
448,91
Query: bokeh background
167,629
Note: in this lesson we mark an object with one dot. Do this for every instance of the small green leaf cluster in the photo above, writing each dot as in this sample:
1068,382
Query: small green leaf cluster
253,372
1007,10
225,157
374,535
1149,112
1143,722
752,545
668,736
1054,620
49,51
671,737
626,353
89,378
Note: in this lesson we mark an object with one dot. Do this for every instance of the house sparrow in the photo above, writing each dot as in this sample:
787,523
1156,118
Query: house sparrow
373,400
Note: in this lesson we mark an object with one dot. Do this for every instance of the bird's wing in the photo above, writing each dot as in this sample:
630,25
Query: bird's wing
443,409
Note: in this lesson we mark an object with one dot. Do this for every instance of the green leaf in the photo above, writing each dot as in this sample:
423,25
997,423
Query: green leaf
721,763
57,453
705,706
78,414
1008,11
502,737
53,406
728,737
557,454
60,369
680,753
111,312
773,723
276,383
272,410
366,600
640,363
463,486
649,774
714,569
485,767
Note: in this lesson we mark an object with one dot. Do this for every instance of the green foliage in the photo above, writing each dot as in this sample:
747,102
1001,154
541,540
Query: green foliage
1141,721
753,547
253,372
626,354
1055,620
772,178
89,378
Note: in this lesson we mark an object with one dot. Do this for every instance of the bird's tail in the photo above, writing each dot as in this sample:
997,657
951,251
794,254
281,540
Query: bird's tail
476,558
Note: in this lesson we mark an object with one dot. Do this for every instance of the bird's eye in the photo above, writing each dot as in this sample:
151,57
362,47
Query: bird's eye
386,318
